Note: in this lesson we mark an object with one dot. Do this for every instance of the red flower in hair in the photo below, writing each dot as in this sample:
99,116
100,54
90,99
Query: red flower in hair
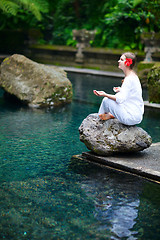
128,62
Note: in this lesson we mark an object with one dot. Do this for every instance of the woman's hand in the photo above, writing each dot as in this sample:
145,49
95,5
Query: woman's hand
116,89
100,93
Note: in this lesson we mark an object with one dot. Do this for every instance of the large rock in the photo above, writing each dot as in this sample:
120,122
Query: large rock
35,84
108,137
143,69
154,83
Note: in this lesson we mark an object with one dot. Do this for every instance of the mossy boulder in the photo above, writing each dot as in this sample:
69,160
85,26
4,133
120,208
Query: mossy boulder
154,83
143,69
111,137
36,85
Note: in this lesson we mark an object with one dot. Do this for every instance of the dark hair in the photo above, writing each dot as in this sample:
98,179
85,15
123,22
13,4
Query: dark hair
132,56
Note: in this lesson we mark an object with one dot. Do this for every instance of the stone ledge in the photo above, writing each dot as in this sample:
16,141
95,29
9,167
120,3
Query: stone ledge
145,164
151,105
93,72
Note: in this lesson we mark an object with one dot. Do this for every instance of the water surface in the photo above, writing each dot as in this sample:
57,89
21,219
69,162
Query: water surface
47,194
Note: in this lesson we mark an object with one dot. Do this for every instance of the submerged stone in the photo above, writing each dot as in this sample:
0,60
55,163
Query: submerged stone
108,137
35,84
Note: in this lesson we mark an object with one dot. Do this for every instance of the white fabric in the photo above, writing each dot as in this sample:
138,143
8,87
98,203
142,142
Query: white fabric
128,107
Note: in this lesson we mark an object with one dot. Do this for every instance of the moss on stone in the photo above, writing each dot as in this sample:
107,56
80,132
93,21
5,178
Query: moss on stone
89,49
145,65
154,83
143,69
5,60
37,83
52,47
60,95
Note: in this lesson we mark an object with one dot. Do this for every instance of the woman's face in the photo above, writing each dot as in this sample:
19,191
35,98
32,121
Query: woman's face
121,62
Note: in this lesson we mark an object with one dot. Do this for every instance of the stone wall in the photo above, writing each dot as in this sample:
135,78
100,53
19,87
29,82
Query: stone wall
95,58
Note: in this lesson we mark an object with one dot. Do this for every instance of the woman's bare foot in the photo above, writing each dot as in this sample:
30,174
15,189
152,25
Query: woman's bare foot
106,116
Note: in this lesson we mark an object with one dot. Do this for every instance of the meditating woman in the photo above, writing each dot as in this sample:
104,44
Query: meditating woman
127,104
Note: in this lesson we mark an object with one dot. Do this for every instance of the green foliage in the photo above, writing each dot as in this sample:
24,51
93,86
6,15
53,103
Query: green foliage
125,22
77,14
9,7
36,7
136,2
119,23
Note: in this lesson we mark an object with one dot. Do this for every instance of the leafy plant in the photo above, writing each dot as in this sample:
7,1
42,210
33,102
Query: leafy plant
119,23
126,20
36,7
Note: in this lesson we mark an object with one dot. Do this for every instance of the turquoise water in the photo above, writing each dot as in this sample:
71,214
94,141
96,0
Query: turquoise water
47,194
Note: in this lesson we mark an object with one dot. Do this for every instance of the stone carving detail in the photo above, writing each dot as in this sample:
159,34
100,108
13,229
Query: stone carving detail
151,41
83,38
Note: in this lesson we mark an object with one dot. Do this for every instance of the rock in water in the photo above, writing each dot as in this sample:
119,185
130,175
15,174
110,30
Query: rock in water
35,84
108,137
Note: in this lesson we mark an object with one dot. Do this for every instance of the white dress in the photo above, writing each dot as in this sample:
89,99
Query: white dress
129,106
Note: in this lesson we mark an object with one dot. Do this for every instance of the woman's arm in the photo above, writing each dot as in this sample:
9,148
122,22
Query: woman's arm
104,94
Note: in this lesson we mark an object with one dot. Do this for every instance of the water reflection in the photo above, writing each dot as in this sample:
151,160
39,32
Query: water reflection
45,195
116,199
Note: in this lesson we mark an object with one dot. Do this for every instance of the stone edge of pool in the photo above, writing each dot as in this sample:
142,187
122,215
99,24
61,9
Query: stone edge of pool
145,163
92,72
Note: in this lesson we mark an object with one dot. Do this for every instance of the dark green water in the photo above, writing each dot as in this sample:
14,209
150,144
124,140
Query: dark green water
47,194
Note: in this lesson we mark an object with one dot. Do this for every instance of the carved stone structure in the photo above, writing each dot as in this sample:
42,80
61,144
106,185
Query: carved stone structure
151,41
83,38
